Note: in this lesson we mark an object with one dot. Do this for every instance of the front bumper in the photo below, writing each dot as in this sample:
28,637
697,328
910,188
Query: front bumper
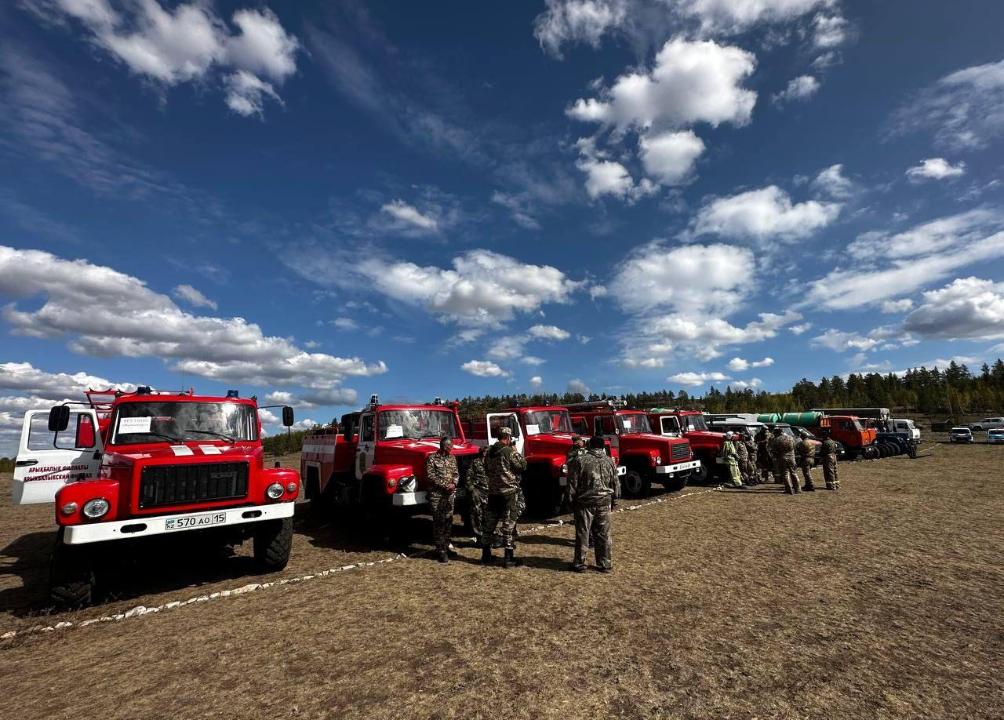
408,499
678,468
158,524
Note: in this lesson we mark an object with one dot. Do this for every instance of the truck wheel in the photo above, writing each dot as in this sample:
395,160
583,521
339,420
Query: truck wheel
273,542
634,485
71,575
702,474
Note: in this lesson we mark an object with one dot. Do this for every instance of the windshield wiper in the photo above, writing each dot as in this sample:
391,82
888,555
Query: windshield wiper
210,432
160,435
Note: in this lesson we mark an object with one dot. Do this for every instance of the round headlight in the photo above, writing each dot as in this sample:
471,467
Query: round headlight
274,491
98,507
69,508
406,484
658,460
291,487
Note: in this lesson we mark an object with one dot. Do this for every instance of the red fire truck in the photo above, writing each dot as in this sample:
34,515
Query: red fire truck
648,457
125,466
690,424
543,434
376,459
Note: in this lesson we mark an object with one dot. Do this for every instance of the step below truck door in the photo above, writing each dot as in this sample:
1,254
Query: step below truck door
47,460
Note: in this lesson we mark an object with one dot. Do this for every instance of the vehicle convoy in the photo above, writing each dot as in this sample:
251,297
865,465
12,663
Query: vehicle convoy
543,434
649,457
375,461
706,444
127,466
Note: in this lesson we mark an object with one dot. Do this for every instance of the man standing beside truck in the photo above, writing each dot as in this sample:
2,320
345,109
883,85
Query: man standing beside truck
828,455
443,474
477,491
504,465
806,454
751,452
592,482
782,448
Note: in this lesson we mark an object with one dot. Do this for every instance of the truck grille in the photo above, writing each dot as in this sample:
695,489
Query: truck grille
180,484
681,451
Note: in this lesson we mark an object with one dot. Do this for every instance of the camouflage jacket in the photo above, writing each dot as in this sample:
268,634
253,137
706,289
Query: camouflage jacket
741,452
829,449
592,479
442,472
477,479
804,449
503,464
575,452
782,446
750,449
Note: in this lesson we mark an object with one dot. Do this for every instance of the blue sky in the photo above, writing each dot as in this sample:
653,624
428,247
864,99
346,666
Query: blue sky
318,202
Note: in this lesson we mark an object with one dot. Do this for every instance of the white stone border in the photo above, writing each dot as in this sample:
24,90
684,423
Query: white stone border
141,610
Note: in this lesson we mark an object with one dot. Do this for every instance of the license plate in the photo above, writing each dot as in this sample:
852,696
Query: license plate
189,522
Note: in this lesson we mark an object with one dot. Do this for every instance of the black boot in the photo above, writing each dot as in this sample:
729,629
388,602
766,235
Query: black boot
443,557
509,561
486,556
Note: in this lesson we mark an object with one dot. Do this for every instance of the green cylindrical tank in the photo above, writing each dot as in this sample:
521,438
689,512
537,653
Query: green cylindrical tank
803,419
768,418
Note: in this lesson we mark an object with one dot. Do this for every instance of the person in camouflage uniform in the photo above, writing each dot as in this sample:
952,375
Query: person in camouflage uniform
731,458
763,456
782,449
477,493
828,455
752,462
578,448
592,482
806,457
443,475
504,466
742,458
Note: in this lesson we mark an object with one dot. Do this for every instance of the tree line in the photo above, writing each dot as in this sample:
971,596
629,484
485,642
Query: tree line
952,392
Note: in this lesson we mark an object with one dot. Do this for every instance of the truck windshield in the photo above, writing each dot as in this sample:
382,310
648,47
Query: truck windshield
417,424
146,422
549,421
693,423
633,423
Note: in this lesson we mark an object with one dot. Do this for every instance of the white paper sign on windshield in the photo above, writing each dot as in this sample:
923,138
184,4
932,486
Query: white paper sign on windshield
134,425
533,429
627,423
393,431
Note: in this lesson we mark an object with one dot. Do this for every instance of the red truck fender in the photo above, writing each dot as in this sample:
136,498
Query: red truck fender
388,475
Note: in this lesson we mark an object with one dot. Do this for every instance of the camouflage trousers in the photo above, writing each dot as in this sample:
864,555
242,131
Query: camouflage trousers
503,512
752,471
593,520
784,473
805,465
830,473
479,512
441,506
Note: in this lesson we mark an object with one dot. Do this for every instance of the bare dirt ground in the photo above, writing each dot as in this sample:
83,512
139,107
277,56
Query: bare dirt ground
883,600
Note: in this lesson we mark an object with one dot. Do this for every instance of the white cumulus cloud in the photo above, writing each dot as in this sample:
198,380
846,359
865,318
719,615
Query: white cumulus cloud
410,215
193,297
969,308
669,157
935,169
762,215
483,368
548,332
695,379
802,87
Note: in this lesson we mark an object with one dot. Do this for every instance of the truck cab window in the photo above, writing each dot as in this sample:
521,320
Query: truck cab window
366,432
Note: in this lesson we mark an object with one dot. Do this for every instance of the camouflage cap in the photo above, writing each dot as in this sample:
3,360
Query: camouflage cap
505,432
576,438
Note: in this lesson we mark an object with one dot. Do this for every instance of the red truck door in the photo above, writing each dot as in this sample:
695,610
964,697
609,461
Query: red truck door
366,451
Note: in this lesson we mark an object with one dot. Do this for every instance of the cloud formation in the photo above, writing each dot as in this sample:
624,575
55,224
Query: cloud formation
763,215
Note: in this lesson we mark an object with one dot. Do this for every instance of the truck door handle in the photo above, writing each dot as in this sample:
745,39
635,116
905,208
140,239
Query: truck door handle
25,463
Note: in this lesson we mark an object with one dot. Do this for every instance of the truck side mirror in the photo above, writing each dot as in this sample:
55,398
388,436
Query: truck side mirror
287,416
59,418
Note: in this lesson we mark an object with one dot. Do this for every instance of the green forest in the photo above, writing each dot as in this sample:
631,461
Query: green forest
949,393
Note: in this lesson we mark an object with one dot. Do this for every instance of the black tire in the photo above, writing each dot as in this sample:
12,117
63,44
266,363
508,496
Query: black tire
702,474
634,484
273,543
71,575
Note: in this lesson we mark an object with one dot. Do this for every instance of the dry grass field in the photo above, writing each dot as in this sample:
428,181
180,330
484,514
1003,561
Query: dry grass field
883,600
